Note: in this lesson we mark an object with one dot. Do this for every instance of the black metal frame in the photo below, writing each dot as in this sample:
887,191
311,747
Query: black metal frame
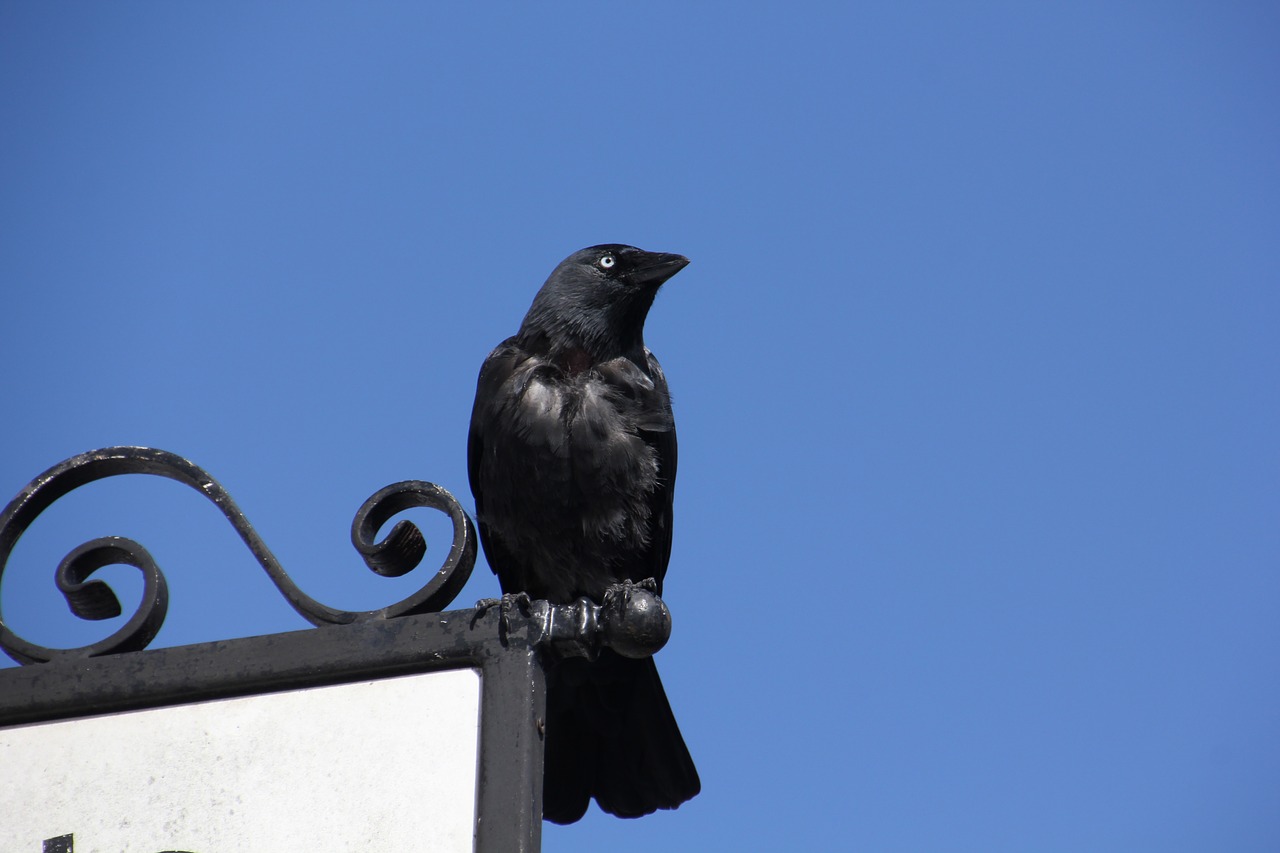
511,642
512,695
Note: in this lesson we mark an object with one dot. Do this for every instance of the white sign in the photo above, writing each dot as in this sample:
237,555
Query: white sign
386,765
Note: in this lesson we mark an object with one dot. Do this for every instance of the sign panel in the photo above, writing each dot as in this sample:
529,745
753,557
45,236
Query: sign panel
364,766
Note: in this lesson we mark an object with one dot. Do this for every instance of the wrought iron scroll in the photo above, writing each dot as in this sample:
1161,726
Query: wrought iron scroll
395,555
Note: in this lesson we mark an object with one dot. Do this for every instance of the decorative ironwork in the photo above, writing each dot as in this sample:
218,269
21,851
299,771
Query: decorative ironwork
632,621
395,555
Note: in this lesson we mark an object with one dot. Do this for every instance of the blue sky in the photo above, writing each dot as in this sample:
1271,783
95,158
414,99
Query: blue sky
974,366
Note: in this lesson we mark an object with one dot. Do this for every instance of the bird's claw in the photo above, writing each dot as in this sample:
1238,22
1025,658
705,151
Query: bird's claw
517,601
626,588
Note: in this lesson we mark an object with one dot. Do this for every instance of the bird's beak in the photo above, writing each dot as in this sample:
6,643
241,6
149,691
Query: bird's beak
657,267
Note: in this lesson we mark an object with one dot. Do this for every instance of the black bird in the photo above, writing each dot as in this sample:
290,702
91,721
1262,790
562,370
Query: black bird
572,461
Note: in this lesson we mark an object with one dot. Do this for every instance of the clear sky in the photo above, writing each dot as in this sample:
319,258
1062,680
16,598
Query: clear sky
975,365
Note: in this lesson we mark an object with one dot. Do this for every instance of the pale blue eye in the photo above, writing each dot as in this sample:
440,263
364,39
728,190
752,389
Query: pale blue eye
607,262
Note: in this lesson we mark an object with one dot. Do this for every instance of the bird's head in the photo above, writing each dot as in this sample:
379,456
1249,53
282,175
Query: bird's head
597,300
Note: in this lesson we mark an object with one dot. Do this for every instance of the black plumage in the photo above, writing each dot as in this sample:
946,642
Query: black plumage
572,461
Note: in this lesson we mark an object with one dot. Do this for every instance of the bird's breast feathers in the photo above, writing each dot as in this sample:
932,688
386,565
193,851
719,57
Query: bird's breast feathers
573,446
591,420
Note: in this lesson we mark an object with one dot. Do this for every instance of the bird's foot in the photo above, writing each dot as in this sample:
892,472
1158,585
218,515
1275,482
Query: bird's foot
626,588
511,601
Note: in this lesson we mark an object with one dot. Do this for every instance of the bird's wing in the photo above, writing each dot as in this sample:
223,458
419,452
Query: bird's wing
641,394
498,367
497,371
663,442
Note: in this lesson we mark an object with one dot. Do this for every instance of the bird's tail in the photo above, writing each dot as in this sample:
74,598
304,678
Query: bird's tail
611,735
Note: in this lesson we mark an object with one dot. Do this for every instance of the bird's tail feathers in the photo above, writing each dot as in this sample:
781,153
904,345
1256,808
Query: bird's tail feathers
611,735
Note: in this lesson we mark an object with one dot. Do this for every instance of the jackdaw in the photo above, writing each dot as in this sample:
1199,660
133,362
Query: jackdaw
572,461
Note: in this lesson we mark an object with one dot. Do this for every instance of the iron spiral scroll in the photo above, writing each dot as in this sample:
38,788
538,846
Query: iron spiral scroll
398,553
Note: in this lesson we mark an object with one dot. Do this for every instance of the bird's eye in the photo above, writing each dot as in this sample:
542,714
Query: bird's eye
607,262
